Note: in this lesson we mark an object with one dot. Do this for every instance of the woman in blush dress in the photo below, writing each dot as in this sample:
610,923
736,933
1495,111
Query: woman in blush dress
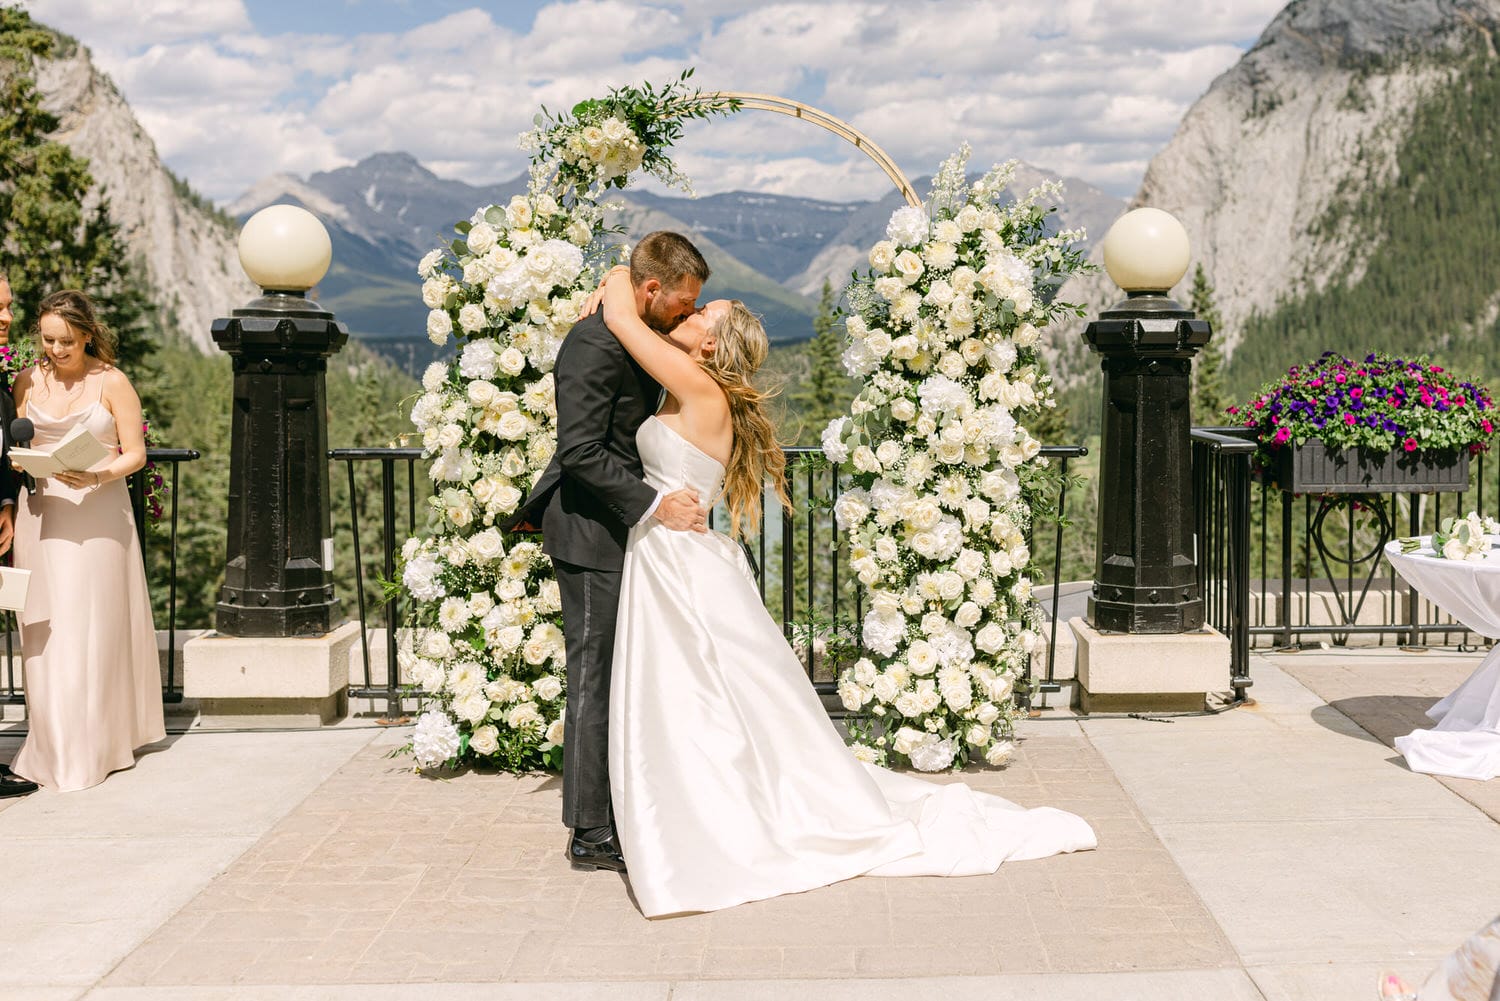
93,684
728,780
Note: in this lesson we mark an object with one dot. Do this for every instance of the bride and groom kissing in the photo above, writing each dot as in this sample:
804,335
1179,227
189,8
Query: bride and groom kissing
696,751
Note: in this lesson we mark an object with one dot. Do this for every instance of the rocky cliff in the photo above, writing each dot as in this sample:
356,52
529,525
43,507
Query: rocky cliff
1313,113
179,244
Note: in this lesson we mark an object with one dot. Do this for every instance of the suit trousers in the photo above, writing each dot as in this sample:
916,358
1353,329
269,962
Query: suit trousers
590,602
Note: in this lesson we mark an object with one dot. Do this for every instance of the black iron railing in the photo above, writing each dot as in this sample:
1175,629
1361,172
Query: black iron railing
1221,501
389,460
1315,553
798,559
171,690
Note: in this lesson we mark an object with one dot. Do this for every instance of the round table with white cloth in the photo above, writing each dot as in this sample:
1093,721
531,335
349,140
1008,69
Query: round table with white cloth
1466,741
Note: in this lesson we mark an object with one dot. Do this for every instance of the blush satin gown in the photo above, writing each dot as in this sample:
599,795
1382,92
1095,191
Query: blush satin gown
729,782
93,684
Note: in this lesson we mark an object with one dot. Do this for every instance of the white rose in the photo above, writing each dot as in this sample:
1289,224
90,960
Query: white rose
864,460
885,687
512,361
1026,336
485,740
990,638
439,326
471,318
881,256
909,704
513,426
487,545
878,343
921,658
555,732
518,212
1000,752
481,238
968,615
888,453
908,266
547,688
977,736
434,290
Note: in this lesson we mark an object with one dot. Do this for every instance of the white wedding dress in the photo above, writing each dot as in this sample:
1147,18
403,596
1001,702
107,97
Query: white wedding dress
729,782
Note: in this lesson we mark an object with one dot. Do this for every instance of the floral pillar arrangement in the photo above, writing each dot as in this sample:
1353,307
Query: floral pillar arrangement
486,647
945,329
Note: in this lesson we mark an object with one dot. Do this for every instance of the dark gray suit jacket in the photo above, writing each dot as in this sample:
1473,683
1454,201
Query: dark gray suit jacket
592,491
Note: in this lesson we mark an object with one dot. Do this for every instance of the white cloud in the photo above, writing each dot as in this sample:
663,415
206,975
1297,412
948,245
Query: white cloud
1090,88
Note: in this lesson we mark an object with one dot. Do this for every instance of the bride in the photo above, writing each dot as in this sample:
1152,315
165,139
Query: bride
729,782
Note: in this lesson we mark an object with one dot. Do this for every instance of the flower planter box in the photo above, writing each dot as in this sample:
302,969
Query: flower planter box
1315,468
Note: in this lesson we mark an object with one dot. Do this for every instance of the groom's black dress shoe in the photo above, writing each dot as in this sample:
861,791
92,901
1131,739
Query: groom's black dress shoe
12,784
588,855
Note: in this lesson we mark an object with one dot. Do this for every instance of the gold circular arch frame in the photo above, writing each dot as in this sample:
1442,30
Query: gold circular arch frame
839,127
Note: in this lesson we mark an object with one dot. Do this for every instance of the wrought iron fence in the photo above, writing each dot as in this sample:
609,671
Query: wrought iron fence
1221,502
10,678
1317,570
797,557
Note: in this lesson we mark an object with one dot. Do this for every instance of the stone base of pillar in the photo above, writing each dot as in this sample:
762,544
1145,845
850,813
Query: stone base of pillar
242,681
1160,672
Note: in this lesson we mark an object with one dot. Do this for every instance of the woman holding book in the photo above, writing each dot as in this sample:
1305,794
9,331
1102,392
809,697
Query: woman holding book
93,684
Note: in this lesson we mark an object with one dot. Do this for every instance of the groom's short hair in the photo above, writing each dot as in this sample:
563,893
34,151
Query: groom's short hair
668,257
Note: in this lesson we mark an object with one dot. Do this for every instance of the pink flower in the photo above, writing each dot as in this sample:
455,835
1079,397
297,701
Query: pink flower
1340,378
1488,427
1410,444
1348,418
1282,435
1357,392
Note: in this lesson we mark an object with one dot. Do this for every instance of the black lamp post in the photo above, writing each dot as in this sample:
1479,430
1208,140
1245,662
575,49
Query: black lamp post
278,578
1145,578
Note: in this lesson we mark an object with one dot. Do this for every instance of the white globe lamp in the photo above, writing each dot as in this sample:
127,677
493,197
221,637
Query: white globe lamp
284,248
1146,251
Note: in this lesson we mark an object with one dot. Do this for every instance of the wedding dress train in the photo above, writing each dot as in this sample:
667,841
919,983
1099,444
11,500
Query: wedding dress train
729,782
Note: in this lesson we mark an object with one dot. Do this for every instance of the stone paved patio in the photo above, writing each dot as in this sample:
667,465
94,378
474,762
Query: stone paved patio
1276,851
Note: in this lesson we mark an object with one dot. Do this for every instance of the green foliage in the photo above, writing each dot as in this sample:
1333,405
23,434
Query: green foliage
1431,231
579,147
825,391
53,238
1209,397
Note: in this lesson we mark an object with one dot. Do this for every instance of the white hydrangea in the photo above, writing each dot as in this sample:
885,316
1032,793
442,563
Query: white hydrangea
434,739
907,226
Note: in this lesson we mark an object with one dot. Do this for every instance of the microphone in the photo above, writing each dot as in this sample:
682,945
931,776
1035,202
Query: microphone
21,431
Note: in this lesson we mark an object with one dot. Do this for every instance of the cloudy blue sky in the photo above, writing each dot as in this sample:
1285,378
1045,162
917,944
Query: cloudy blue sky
233,90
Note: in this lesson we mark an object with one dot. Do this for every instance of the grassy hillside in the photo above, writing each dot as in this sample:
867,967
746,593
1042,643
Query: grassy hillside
1430,283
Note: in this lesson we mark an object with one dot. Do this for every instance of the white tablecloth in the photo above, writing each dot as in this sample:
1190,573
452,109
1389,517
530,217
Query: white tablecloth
1466,741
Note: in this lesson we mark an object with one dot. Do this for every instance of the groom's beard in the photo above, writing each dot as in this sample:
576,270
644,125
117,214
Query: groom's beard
661,322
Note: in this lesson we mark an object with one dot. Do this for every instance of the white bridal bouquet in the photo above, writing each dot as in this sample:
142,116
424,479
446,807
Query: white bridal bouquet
1468,538
944,330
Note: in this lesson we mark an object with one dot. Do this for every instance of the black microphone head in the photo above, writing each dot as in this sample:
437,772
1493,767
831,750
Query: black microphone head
21,429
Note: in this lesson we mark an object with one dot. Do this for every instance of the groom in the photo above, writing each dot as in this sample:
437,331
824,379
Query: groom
585,503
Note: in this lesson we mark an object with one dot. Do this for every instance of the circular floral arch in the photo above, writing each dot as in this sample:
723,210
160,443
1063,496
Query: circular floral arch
837,126
944,329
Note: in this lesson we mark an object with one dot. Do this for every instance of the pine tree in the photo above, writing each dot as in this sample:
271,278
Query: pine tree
53,237
827,391
1209,399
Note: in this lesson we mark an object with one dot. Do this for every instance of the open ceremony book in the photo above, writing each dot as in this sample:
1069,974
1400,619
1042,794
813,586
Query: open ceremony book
14,583
76,452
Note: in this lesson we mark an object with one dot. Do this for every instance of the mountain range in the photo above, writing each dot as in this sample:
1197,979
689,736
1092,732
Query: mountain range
1338,185
773,251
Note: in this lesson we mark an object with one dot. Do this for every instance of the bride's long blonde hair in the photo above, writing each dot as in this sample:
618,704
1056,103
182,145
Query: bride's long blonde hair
740,350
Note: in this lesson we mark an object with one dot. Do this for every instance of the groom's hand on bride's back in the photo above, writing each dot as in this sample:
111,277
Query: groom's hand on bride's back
681,512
